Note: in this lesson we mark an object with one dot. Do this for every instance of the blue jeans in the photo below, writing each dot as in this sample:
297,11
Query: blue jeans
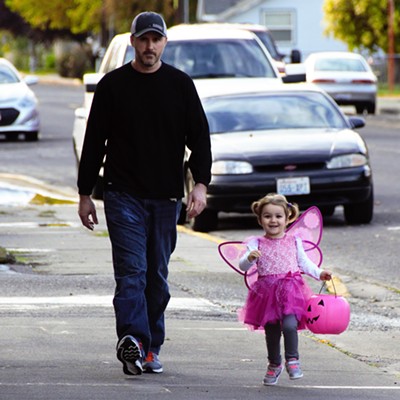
143,236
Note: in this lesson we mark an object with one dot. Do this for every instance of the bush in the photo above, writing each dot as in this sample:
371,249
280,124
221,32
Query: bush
72,60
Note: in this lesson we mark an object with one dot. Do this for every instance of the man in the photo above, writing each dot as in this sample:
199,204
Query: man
142,117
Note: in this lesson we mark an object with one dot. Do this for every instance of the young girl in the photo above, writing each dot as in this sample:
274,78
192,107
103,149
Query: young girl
277,300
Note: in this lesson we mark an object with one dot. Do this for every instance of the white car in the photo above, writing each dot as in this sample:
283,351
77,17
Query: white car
203,53
18,104
345,76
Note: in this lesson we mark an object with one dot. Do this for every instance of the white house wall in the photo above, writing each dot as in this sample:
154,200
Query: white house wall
308,35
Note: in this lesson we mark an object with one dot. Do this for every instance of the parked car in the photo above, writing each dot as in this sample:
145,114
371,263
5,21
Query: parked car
18,104
214,51
200,52
266,38
346,76
291,139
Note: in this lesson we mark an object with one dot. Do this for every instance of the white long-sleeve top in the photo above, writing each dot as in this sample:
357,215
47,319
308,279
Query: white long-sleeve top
304,263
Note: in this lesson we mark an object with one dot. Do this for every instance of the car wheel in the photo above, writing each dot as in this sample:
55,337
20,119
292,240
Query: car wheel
182,219
32,137
205,222
327,211
371,108
360,213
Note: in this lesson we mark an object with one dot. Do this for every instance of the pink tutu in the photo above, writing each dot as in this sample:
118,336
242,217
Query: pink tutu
273,296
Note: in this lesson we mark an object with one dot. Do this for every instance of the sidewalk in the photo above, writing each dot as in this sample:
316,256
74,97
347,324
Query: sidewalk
58,338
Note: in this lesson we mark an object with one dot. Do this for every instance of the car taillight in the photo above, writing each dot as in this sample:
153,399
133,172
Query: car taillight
323,81
362,81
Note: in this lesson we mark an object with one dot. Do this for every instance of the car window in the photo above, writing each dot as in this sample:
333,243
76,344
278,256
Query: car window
271,111
269,43
129,54
204,59
337,64
7,76
111,60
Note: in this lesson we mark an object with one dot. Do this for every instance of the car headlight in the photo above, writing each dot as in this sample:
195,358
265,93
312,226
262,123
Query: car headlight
231,168
347,161
27,102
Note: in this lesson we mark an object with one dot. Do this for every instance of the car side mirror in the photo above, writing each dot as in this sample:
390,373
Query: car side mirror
295,56
357,122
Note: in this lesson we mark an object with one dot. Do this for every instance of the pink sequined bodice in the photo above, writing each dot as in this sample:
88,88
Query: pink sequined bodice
278,256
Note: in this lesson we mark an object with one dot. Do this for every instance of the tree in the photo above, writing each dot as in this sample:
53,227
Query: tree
361,24
83,16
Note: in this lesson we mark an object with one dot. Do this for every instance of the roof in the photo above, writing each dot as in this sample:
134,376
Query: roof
231,86
335,54
205,31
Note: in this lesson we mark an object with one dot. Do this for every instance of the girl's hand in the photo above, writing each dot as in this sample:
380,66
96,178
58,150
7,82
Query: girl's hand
325,276
254,255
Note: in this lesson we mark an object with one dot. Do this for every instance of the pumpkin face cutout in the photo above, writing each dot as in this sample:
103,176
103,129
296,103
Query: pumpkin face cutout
327,314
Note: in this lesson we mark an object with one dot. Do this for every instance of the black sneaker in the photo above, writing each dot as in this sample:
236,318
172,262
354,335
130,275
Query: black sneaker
129,352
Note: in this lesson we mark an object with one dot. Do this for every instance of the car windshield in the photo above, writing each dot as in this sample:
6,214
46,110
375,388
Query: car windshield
222,58
7,75
271,111
339,64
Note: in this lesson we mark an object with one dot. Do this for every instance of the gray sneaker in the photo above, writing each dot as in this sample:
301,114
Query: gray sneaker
129,352
293,369
152,363
272,375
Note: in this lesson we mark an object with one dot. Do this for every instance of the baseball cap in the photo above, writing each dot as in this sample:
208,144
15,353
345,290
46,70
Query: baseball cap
148,21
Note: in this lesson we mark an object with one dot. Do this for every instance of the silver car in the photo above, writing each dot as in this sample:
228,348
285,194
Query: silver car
346,77
18,104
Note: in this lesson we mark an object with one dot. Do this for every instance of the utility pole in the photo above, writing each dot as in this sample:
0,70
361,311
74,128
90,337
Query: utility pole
391,54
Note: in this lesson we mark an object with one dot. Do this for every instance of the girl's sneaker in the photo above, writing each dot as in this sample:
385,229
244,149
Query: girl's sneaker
272,375
293,369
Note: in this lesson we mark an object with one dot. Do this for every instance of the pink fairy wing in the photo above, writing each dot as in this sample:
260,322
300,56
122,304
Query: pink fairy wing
250,276
231,252
308,227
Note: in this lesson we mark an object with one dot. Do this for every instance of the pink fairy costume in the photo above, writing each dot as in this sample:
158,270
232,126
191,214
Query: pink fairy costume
280,289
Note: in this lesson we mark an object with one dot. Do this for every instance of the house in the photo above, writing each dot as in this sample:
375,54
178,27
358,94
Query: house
295,24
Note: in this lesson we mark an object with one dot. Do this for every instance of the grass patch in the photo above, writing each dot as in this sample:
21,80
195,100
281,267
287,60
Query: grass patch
383,90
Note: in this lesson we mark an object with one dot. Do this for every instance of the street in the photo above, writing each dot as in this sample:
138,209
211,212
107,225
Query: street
57,329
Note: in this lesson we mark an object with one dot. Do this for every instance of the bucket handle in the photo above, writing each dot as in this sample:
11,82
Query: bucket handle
333,284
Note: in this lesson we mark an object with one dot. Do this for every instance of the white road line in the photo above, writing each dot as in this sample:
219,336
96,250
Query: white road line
24,303
348,387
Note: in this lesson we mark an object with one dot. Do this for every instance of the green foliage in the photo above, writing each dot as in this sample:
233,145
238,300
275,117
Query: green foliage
361,24
83,16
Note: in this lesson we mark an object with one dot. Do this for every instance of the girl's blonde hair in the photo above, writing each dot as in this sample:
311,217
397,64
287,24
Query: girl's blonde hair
291,209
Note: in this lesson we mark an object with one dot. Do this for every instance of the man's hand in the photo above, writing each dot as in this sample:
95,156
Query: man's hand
197,200
87,212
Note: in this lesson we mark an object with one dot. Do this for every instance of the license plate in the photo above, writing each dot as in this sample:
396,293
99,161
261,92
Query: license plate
292,186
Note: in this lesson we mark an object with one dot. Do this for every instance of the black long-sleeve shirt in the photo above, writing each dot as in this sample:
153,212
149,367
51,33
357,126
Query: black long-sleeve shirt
141,124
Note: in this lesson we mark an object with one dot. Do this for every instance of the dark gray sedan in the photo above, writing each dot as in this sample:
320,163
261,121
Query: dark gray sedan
290,139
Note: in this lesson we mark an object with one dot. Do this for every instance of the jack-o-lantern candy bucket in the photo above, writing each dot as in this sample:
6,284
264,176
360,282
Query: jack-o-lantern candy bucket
327,314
